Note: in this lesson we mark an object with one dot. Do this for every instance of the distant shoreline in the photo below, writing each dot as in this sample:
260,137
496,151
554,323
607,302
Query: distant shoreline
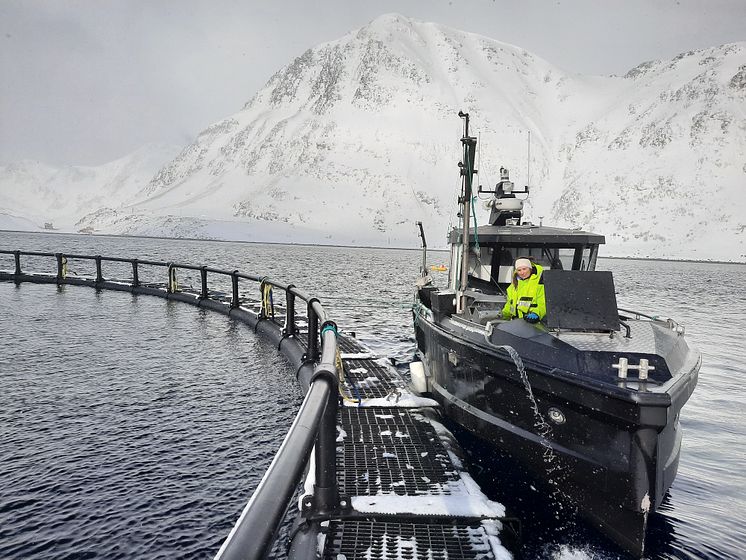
291,244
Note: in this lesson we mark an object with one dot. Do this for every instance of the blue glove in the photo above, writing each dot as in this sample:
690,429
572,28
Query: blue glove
531,317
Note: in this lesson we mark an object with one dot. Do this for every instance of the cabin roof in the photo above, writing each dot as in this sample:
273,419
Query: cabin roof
529,235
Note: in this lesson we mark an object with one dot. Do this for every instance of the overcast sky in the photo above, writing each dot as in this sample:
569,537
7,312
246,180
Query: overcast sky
85,82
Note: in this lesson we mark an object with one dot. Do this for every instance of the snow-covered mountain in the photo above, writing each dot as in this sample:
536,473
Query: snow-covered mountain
661,170
33,193
358,138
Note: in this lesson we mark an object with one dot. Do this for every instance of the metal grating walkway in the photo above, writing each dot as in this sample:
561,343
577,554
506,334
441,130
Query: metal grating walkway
394,540
391,451
350,345
369,379
401,473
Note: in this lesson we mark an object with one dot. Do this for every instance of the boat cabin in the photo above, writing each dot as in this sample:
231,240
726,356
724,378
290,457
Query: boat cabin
494,249
578,298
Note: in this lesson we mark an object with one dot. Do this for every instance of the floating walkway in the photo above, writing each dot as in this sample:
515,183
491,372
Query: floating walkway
384,478
402,474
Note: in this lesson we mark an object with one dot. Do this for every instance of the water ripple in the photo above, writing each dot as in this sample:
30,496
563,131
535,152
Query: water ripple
119,443
167,451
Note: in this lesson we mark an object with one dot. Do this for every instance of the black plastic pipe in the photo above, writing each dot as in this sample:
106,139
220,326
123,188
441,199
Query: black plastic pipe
313,332
17,255
234,282
325,493
254,532
203,276
289,329
60,267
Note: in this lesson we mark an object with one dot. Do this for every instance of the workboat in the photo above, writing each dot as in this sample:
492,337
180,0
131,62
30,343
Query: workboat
589,398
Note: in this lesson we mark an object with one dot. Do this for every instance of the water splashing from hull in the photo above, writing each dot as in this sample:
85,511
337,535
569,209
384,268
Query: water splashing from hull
555,475
543,429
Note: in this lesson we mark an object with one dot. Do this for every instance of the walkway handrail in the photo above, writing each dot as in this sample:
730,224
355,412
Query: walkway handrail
313,428
252,535
316,313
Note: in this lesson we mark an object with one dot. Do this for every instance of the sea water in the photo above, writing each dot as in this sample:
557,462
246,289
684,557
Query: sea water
137,427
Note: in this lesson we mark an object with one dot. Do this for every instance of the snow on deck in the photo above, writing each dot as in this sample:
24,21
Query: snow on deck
401,469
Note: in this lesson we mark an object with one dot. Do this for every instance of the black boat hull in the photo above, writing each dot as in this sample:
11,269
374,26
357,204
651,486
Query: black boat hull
613,453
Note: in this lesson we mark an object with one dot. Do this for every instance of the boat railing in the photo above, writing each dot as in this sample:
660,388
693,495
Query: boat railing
670,323
314,428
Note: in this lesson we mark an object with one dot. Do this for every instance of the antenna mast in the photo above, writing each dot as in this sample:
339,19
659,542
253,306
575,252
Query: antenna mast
467,173
528,161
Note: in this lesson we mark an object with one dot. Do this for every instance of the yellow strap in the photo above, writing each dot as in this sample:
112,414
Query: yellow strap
340,365
267,307
341,375
172,282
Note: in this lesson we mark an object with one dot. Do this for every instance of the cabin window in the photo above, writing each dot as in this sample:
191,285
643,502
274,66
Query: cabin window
585,258
546,257
592,257
480,263
502,264
566,257
550,258
488,265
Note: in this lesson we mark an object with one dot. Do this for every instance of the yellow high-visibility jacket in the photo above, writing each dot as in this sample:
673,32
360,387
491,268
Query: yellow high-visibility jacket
526,296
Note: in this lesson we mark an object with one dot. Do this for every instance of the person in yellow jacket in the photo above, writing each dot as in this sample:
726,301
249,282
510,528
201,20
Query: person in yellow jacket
526,293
